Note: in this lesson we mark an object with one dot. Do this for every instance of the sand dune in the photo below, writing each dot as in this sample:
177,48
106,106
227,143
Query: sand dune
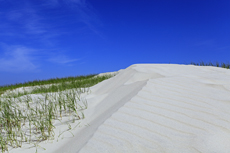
155,108
165,108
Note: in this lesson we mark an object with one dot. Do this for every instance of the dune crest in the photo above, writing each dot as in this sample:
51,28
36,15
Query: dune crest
162,108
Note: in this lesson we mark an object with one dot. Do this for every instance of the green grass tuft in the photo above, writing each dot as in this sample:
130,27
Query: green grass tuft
217,64
24,119
45,82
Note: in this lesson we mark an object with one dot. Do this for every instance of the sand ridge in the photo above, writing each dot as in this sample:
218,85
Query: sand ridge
162,108
178,109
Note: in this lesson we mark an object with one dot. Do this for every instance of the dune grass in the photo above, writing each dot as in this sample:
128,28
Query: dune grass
217,64
28,119
45,82
83,82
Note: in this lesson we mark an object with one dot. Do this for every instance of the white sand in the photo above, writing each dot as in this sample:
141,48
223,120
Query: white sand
153,108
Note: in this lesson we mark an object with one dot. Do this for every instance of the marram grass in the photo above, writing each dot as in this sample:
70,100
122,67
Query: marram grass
28,120
45,82
217,64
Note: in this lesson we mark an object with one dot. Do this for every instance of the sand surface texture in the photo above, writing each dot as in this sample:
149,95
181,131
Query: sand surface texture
155,108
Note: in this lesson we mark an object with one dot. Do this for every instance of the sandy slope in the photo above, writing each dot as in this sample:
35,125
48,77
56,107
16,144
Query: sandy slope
154,108
172,108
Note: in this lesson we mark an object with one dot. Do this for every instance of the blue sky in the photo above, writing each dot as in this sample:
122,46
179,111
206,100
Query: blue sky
42,39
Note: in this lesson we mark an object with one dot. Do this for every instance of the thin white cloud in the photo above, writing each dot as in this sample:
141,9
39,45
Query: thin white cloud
62,59
205,43
24,59
88,16
17,59
27,19
26,23
84,11
51,3
57,3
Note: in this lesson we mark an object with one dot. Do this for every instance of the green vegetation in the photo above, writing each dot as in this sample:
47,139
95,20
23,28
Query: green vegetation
45,82
217,64
29,119
83,82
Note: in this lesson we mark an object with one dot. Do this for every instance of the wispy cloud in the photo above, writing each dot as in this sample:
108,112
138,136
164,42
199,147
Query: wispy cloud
28,18
28,27
62,59
23,59
84,11
88,15
205,43
25,19
18,59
